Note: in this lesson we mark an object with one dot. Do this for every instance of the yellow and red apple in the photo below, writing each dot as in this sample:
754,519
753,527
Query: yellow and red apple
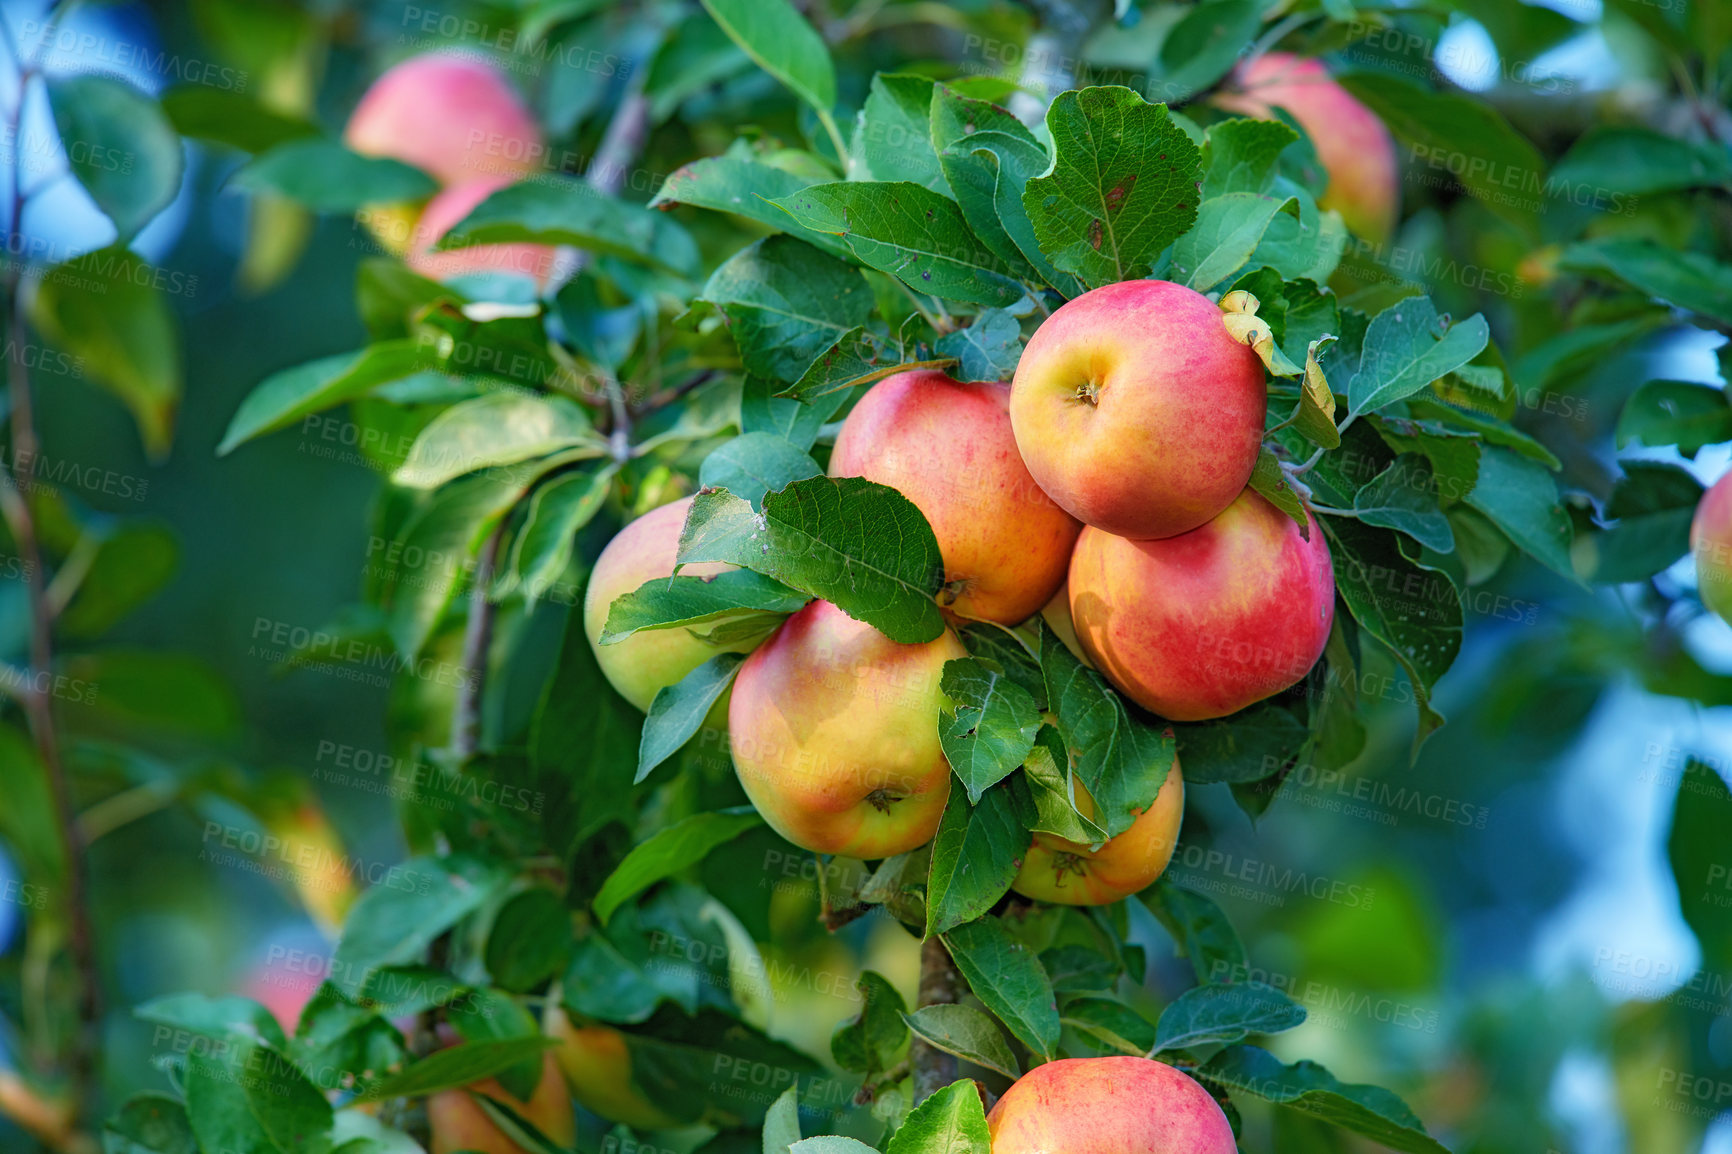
1136,411
653,659
597,1067
1353,145
459,1123
447,208
1071,874
948,447
1108,1106
834,732
1205,623
1711,542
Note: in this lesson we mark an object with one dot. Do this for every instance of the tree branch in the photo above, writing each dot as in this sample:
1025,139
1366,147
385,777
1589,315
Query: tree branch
933,1068
477,640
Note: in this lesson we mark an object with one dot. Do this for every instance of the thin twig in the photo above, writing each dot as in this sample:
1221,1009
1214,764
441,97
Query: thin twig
477,640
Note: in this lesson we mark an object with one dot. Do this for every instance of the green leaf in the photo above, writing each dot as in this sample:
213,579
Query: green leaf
394,924
1696,849
1007,977
1228,230
214,1018
459,1065
1613,161
149,1124
857,358
975,856
831,1144
149,690
986,350
912,233
862,545
1000,163
1112,1024
528,940
1053,788
786,303
130,567
893,139
868,1043
1652,507
1122,185
1404,497
1368,1110
247,1097
1199,928
665,603
1416,612
1456,136
778,39
1204,42
500,428
1408,346
1218,1014
555,210
954,122
1122,761
326,177
106,307
797,422
1247,746
1521,498
1269,480
1677,413
288,395
678,710
542,549
1688,280
754,465
992,727
231,118
668,851
782,1122
745,188
967,1033
950,1121
1240,155
121,147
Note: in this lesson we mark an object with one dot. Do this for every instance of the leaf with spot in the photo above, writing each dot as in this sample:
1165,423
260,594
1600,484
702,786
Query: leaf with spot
1121,188
986,350
912,233
991,727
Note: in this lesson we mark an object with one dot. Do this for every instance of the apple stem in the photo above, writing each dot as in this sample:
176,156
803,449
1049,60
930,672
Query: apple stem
933,1068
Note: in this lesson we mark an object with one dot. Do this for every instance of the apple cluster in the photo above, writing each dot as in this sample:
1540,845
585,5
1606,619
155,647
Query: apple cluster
1106,488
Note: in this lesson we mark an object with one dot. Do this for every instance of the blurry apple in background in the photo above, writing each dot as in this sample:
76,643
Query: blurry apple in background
1136,411
653,659
1108,1106
449,207
597,1066
948,447
459,1123
834,732
1066,873
1203,624
1711,542
1352,143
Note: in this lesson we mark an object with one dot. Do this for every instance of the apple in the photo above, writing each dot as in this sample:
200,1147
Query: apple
444,211
1067,873
1203,624
948,447
1137,411
1353,145
653,659
453,117
597,1067
1711,542
459,1123
1108,1106
834,732
1056,614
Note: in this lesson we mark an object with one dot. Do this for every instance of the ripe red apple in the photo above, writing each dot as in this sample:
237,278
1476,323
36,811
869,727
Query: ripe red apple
1108,1106
453,117
1352,143
1067,873
1136,410
654,659
444,211
1711,542
1203,624
597,1067
459,1123
948,447
834,731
